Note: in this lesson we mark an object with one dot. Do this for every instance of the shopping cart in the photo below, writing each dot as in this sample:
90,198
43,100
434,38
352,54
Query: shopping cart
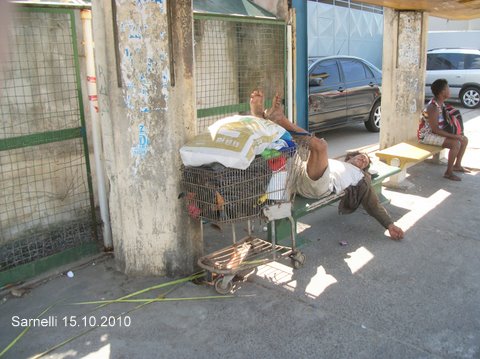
265,191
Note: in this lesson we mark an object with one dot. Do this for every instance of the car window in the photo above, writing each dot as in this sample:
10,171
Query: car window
472,62
436,62
368,72
449,61
324,74
353,70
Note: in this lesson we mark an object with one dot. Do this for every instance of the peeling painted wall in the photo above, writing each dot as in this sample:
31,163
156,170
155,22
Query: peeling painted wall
148,121
403,75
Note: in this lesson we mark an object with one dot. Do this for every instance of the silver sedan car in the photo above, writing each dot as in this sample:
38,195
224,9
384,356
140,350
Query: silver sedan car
461,68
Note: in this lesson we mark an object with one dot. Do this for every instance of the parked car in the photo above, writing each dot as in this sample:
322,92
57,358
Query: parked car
343,90
461,68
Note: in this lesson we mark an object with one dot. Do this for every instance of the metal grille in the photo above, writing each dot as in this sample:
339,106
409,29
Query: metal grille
224,195
45,197
232,58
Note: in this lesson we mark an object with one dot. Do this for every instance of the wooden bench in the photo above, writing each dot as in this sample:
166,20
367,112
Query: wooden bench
405,155
303,206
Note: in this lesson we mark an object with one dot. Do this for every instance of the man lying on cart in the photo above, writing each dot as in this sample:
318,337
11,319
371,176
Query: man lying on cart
320,175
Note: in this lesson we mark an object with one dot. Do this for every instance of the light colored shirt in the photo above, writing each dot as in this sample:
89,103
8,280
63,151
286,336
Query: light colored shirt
342,175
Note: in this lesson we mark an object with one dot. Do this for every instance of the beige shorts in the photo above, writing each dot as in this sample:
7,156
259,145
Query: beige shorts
433,139
308,188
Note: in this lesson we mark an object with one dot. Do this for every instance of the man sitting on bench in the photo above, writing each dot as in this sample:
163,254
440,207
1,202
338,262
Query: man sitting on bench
321,175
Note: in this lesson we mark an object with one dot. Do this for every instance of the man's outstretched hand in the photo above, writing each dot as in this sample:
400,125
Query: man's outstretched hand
396,233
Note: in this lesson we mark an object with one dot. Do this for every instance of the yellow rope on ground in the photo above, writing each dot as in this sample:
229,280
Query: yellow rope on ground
178,281
151,300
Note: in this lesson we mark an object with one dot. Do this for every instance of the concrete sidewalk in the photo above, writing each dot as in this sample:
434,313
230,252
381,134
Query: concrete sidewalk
372,298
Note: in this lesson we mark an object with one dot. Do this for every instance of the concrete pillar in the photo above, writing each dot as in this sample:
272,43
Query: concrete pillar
301,63
404,53
147,106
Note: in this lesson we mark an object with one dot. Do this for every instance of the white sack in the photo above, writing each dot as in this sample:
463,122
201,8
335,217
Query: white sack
233,141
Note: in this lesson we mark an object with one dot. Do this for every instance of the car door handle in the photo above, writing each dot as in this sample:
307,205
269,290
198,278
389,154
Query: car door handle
371,84
341,89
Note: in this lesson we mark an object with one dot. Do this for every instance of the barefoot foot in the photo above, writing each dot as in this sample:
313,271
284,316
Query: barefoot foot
276,111
256,103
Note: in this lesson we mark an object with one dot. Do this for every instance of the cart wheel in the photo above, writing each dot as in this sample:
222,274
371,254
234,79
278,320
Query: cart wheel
296,264
298,260
223,288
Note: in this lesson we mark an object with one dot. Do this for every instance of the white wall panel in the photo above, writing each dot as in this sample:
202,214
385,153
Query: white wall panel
343,30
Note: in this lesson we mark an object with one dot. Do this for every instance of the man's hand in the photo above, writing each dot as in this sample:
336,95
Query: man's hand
396,233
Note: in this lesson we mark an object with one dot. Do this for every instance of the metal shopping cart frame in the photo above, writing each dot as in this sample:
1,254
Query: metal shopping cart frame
265,190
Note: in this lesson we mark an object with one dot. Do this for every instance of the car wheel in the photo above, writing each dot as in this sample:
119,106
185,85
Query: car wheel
373,122
470,97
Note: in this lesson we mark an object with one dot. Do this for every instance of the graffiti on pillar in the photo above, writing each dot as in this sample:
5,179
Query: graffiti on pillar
144,62
128,55
137,36
150,65
141,149
165,82
128,97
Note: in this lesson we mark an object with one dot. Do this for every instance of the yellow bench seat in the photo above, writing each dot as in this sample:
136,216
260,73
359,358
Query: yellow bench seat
407,152
404,155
